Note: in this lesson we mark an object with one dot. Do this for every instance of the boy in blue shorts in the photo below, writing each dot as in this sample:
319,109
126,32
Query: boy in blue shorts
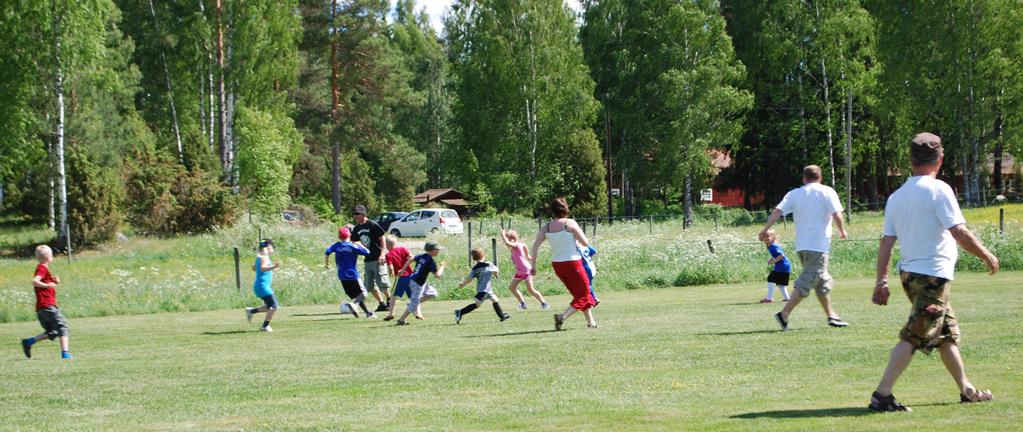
421,291
483,272
780,272
591,269
262,286
346,255
53,321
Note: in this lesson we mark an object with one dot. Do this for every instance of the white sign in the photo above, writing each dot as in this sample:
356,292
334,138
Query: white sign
616,192
707,195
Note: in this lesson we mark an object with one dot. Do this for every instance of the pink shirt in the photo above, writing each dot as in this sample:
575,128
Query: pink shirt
518,256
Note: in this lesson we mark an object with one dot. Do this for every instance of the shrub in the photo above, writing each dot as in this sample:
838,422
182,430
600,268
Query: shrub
94,195
268,149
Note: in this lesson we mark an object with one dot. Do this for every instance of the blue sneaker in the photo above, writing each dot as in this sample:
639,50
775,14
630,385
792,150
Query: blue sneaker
26,346
66,355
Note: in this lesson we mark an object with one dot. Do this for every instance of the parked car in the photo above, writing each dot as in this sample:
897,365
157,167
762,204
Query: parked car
386,219
427,221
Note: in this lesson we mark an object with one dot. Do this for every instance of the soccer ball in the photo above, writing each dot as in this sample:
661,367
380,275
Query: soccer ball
346,309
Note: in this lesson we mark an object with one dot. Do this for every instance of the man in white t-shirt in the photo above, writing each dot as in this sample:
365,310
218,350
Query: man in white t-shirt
924,216
813,207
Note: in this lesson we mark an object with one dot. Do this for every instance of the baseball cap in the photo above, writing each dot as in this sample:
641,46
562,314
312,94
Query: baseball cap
432,246
344,233
359,210
265,243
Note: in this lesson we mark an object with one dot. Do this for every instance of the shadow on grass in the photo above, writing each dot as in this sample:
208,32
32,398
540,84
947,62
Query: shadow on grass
227,333
747,332
513,334
315,314
821,412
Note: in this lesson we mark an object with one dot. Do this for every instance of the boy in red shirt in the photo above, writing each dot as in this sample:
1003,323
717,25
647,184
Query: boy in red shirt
397,256
54,323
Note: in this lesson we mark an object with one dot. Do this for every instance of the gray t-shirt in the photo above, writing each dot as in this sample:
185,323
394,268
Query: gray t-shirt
483,272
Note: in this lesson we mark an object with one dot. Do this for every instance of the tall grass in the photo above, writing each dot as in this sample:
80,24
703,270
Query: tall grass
149,275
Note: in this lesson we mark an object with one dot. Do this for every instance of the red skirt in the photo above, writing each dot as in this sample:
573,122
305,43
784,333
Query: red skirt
574,276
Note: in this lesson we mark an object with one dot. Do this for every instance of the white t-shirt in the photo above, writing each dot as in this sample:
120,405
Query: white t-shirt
812,206
920,214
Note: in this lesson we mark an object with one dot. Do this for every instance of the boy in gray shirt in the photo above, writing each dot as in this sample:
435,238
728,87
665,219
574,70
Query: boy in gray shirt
484,273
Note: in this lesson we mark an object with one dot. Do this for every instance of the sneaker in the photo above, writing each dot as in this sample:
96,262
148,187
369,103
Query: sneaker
420,317
505,317
886,404
66,355
837,322
781,321
372,316
522,306
26,347
558,322
766,301
267,329
248,314
401,323
389,317
458,316
382,307
545,306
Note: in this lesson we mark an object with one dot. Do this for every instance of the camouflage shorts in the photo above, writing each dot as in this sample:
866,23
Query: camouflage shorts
932,321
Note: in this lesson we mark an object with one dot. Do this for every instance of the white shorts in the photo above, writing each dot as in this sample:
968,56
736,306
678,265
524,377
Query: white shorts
418,294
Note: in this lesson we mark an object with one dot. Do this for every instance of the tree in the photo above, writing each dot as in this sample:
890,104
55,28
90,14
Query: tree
269,148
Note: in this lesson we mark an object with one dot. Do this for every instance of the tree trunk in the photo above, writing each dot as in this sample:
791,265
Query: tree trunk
52,203
687,202
607,152
63,233
531,108
848,153
335,153
167,83
827,109
996,175
223,143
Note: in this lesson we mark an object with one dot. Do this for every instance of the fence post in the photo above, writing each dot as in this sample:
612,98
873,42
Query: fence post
469,250
1001,221
237,270
650,223
710,246
493,248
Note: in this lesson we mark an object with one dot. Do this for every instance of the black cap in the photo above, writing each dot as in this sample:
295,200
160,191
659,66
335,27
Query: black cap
359,210
265,243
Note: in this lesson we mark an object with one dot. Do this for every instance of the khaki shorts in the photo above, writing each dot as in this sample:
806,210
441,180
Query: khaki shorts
376,276
815,276
932,321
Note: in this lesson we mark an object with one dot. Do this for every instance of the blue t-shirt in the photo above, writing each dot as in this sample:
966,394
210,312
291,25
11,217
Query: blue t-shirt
783,266
588,265
424,266
346,254
264,279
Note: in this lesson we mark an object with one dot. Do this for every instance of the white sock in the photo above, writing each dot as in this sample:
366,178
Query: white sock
784,292
770,291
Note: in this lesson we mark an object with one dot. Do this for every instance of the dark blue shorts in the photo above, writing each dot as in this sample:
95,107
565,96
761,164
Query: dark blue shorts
401,288
270,301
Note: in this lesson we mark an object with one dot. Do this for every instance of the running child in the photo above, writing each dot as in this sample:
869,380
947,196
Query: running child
53,321
396,258
591,269
483,272
521,258
346,255
262,286
782,267
420,291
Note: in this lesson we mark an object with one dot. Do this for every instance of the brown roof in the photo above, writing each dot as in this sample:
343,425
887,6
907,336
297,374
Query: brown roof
437,194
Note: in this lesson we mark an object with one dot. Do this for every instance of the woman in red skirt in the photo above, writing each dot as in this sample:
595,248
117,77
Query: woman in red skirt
565,237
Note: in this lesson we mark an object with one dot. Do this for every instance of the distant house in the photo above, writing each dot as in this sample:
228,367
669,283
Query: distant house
723,195
449,198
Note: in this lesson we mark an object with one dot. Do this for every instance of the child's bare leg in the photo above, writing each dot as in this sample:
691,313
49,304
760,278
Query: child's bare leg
588,313
41,336
532,291
270,314
390,305
63,343
515,290
567,313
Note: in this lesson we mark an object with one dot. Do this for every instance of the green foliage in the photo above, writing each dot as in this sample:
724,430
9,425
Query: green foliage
94,198
269,147
165,199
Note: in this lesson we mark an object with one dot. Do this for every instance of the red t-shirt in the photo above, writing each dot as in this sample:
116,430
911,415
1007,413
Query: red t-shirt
397,258
45,297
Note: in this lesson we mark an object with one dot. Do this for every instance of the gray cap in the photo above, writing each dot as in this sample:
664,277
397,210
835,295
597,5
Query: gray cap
359,210
432,246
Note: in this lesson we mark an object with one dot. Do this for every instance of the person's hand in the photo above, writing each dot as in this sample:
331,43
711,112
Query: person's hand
991,261
843,234
56,280
532,271
762,235
881,293
770,261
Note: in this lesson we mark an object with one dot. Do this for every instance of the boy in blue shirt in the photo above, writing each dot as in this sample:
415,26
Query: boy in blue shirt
484,272
591,269
262,286
346,254
421,291
782,267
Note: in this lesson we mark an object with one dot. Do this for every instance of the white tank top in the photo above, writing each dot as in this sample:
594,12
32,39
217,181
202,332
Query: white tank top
563,245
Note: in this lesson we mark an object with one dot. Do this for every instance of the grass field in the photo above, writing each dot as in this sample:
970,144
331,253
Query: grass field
694,358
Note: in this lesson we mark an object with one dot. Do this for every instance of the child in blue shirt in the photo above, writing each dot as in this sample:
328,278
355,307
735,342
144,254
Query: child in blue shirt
421,291
484,273
262,286
346,254
591,269
782,267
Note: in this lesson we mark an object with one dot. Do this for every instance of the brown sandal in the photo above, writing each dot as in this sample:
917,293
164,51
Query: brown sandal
974,396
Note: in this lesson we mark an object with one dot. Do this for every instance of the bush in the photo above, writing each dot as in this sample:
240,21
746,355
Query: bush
93,198
268,149
165,199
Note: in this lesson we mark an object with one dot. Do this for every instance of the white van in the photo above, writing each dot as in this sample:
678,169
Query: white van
427,221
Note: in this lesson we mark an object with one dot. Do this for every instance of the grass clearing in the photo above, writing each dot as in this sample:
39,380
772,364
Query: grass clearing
694,358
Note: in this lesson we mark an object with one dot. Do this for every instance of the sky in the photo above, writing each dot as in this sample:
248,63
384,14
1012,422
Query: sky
437,8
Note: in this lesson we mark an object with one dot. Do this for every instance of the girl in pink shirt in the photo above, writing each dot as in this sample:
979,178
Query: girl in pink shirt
521,258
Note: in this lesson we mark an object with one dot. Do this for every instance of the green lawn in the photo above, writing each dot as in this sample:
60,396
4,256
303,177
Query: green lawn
694,358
